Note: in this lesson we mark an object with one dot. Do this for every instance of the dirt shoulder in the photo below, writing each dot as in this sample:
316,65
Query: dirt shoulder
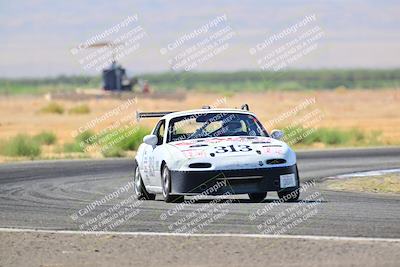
60,249
386,184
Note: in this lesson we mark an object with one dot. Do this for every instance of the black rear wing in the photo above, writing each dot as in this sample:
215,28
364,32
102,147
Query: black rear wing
157,114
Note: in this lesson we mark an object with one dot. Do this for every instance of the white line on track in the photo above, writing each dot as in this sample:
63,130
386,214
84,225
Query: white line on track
309,237
365,174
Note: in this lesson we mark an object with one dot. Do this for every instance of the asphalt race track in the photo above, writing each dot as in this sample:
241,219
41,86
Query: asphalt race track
47,195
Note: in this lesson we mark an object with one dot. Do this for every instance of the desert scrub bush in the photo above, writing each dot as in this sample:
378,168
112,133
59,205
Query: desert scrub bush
124,138
134,138
332,136
72,147
80,109
86,138
45,138
20,145
52,107
328,136
80,142
113,152
112,143
374,138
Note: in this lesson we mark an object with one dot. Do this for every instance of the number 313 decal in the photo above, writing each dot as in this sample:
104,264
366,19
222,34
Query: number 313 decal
232,148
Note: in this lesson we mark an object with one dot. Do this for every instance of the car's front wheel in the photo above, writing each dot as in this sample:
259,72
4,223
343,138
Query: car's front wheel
257,197
166,187
289,195
139,188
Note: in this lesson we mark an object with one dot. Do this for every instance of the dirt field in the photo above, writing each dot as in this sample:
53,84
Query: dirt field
343,109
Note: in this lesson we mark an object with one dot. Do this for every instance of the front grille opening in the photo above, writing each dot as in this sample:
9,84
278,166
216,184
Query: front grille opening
276,161
200,165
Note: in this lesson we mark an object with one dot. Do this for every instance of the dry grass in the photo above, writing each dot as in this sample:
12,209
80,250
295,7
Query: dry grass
366,110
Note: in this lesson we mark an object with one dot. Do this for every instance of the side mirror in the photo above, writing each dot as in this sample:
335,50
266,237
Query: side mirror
277,134
150,139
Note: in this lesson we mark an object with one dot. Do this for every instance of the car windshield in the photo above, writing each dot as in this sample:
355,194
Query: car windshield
214,125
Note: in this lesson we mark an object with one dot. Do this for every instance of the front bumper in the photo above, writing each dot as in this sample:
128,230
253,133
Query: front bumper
233,181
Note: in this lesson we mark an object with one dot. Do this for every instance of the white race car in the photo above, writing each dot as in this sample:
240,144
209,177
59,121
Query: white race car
217,151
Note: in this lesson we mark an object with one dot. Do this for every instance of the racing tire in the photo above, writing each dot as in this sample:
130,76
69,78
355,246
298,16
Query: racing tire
289,195
139,188
257,197
166,187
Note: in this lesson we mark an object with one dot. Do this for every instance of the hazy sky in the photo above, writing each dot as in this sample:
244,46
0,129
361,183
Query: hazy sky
37,35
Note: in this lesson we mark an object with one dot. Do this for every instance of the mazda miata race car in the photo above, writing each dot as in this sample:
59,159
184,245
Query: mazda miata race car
214,151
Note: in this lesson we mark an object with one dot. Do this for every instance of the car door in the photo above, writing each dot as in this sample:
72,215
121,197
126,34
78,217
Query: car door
155,157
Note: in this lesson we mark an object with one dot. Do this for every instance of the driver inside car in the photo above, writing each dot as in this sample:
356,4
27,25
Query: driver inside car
233,128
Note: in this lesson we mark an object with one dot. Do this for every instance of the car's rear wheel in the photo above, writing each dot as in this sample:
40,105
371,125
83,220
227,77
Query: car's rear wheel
139,188
166,187
257,197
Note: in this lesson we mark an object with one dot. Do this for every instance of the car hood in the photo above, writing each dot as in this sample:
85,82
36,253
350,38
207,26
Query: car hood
233,152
